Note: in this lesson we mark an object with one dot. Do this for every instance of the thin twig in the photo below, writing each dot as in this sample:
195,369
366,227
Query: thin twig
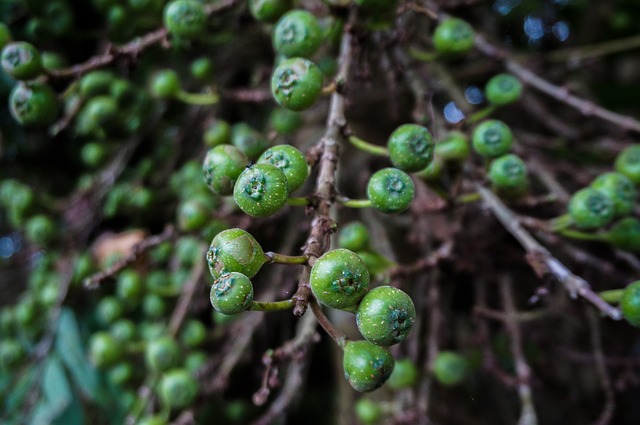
601,369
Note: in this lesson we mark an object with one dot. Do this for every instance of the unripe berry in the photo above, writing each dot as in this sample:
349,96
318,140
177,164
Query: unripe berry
235,250
165,84
385,315
503,89
291,161
410,147
630,303
261,190
178,388
620,189
492,138
221,168
248,141
339,279
390,190
628,163
296,83
185,18
508,174
625,234
450,368
354,236
453,36
218,133
268,10
368,411
405,375
297,34
366,366
231,293
34,104
104,350
21,60
454,146
162,354
590,208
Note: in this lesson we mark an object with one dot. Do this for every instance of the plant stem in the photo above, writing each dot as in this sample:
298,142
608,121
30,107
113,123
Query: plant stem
576,234
329,89
274,257
481,114
198,99
298,202
271,306
469,198
338,337
594,50
355,203
368,147
423,56
561,223
612,296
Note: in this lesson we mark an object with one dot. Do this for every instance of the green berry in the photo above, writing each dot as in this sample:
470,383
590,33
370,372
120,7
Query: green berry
153,420
433,170
162,354
108,310
390,190
235,250
99,112
159,282
405,375
221,168
339,279
454,146
5,35
187,251
93,154
268,10
21,60
450,368
410,147
368,411
195,360
193,333
508,174
503,89
354,236
625,234
104,350
630,303
96,83
34,104
185,18
165,84
120,373
178,388
202,69
591,208
628,163
296,83
231,293
620,189
40,229
297,34
376,263
385,315
11,353
453,36
123,330
248,140
492,138
193,214
52,61
291,161
129,286
366,366
261,190
284,121
218,133
153,306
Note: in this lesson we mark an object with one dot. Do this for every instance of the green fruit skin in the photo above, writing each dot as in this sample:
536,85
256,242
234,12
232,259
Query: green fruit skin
193,333
235,250
492,138
5,35
453,147
339,279
33,105
453,36
96,83
354,236
625,234
178,388
11,353
121,373
508,173
385,316
405,375
21,60
248,140
221,168
104,350
367,366
185,18
231,293
630,303
268,10
123,330
296,84
108,310
93,154
162,353
433,170
218,133
620,189
590,208
450,368
192,215
503,89
129,286
368,411
202,69
390,190
165,84
153,306
261,190
284,121
297,34
376,263
628,163
291,161
411,147
40,229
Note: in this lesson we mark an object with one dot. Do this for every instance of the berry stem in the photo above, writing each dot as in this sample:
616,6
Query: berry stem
576,234
368,147
355,203
274,257
272,306
481,114
469,198
298,202
560,223
340,338
612,296
423,56
198,99
329,89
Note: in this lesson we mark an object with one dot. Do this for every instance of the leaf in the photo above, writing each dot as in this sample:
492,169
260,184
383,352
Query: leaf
56,393
69,347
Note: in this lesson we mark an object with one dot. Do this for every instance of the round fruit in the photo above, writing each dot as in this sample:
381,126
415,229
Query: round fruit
339,279
625,234
508,173
590,208
202,69
129,286
297,34
385,315
450,368
104,350
93,154
40,229
193,333
366,366
123,330
284,121
453,36
249,141
21,60
5,35
231,293
405,375
411,147
193,214
108,310
433,170
33,104
368,411
162,353
492,138
96,83
165,84
630,303
221,168
185,18
178,388
390,190
120,373
454,146
235,250
291,161
628,163
153,306
296,83
354,236
268,10
261,190
503,89
218,133
620,189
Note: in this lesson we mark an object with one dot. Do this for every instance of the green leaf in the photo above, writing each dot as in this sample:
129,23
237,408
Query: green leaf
56,393
69,347
15,398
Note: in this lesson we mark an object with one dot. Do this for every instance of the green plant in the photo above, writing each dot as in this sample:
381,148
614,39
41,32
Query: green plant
178,388
410,147
34,104
508,174
221,168
390,190
366,366
296,83
21,60
339,279
235,250
385,315
450,368
162,354
628,163
590,208
297,34
268,10
405,374
261,190
503,89
354,236
454,146
291,161
165,84
620,189
217,133
453,36
185,18
231,293
630,303
492,138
